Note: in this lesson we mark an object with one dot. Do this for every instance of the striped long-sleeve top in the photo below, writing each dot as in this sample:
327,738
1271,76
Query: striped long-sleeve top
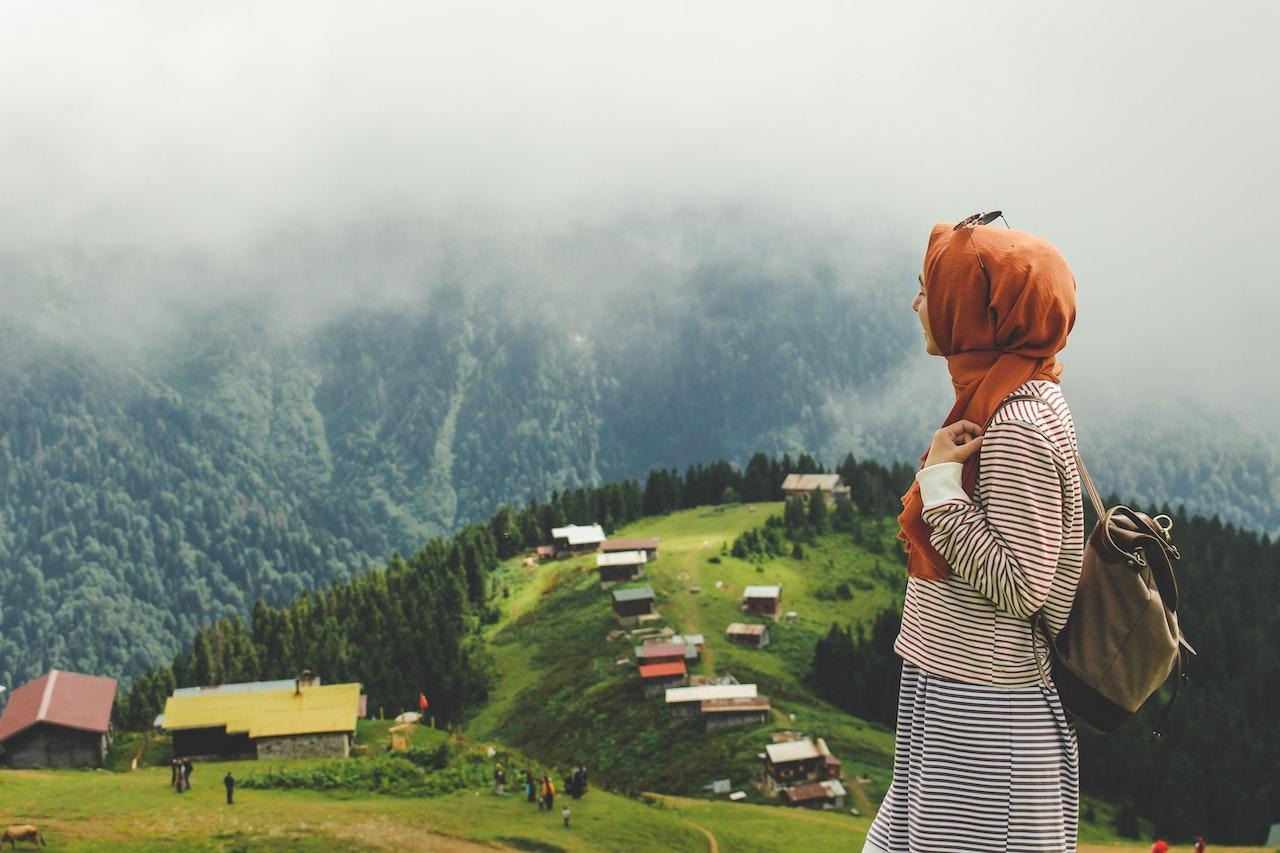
1014,547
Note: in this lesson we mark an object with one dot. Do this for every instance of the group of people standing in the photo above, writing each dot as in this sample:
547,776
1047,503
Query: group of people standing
180,778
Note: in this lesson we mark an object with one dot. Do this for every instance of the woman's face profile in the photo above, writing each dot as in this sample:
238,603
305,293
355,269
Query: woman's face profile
920,306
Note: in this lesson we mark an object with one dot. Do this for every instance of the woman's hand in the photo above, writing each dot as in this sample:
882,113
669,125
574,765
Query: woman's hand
954,443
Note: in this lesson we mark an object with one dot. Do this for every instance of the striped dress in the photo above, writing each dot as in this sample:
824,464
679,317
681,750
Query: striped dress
985,757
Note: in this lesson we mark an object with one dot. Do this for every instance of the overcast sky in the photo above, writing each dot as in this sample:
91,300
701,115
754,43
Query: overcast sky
1141,138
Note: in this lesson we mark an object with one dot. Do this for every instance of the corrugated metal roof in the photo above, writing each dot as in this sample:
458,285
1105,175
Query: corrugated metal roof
742,629
268,713
621,558
762,591
661,650
578,534
659,670
60,698
794,750
238,687
704,692
635,593
815,791
649,543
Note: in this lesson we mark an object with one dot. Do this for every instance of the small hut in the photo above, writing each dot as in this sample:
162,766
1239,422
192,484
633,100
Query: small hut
801,486
661,653
735,713
657,678
632,603
618,566
798,762
648,544
828,794
578,539
62,719
763,600
756,636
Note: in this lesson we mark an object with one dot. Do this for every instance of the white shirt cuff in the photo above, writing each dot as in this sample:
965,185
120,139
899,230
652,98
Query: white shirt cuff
941,483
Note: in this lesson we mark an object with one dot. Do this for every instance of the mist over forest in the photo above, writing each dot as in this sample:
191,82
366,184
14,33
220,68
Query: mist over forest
302,408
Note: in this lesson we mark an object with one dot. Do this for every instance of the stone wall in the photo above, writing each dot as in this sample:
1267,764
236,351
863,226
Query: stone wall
52,746
327,745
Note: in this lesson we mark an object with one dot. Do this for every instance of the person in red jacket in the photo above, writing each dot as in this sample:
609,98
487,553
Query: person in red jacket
1158,845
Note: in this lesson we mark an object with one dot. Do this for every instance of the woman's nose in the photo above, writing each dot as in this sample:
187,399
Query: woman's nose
915,303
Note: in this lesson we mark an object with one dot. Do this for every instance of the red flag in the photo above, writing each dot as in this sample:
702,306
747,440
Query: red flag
422,701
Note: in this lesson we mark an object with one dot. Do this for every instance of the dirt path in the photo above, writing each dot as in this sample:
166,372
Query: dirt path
711,839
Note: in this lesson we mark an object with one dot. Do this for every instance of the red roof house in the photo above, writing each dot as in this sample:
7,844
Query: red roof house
655,678
62,719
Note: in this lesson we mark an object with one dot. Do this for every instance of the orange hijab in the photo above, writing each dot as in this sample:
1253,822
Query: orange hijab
994,338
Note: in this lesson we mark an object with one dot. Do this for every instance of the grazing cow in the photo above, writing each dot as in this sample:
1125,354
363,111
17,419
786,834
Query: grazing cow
20,832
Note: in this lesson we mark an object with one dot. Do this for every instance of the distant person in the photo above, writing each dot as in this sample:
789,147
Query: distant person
530,786
1200,845
187,770
175,777
578,784
991,538
566,814
230,782
584,778
499,780
1158,845
548,792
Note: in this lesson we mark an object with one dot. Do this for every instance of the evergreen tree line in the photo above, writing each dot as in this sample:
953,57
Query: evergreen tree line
859,673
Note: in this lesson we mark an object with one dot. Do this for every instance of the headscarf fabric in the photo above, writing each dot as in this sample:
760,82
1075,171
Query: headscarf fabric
997,328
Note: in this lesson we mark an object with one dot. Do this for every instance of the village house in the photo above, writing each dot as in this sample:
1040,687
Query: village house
803,485
744,634
545,552
693,645
632,603
295,718
577,539
618,566
763,600
828,794
648,544
686,702
797,762
62,719
661,653
657,678
720,714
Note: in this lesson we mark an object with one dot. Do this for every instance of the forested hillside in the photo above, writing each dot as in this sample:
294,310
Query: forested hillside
229,452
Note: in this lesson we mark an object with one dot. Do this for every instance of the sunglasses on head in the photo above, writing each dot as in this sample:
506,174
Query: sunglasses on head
981,219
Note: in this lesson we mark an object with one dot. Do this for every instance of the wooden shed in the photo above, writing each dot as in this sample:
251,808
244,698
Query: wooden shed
618,566
686,702
797,762
630,604
62,719
803,485
577,539
744,634
828,794
657,678
662,653
763,600
735,713
648,544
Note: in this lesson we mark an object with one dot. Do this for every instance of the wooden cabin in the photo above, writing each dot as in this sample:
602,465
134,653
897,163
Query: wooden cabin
62,719
802,486
577,539
657,678
686,702
662,653
720,714
756,636
763,600
619,566
828,794
648,544
632,603
797,762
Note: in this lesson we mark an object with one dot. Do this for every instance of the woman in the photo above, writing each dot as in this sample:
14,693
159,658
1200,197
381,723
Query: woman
985,758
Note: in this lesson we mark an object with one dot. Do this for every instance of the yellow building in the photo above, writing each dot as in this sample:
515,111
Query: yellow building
292,718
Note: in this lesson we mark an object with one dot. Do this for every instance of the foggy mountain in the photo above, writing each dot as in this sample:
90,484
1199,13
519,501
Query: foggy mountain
311,406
